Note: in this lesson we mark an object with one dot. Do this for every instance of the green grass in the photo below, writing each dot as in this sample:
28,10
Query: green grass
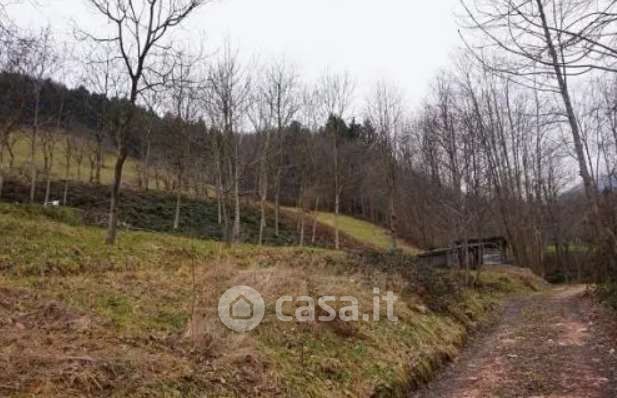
573,248
139,297
22,159
366,232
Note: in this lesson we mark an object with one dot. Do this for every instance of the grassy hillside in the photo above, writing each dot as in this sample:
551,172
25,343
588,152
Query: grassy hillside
363,231
22,160
154,211
139,319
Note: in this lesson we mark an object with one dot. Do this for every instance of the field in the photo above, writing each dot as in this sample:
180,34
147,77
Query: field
22,160
139,319
370,234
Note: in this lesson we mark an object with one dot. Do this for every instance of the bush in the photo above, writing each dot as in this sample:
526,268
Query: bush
607,293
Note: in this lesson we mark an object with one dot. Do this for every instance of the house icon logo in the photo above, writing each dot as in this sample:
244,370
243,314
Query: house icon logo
241,309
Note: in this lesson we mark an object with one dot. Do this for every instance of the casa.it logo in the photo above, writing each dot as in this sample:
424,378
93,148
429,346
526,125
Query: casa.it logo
241,309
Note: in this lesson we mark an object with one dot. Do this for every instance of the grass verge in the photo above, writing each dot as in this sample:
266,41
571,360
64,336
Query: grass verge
140,319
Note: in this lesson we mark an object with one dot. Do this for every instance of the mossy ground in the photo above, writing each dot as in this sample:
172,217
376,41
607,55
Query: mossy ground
80,318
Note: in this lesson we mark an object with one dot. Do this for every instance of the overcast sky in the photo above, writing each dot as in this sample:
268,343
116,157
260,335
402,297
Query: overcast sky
406,41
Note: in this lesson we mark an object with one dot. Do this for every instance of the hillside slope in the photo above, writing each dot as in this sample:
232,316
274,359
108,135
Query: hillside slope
369,234
154,210
139,319
364,231
58,171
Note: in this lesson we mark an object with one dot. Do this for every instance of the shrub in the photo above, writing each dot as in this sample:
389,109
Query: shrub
607,293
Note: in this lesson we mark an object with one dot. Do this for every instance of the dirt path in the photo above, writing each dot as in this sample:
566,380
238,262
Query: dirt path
552,344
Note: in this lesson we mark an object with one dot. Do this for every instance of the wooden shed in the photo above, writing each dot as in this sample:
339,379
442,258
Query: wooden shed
477,252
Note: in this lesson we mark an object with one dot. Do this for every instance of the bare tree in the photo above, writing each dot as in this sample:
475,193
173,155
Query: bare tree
103,76
153,100
273,106
384,109
50,139
140,28
336,93
281,94
69,155
49,142
260,115
548,38
13,94
183,88
41,63
227,93
311,118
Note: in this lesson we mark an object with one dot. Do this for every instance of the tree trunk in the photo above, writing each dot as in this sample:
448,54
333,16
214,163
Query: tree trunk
147,166
236,181
79,170
177,215
262,221
314,236
157,178
263,186
99,161
67,175
302,225
47,188
35,130
219,205
227,227
302,214
590,186
112,230
337,191
466,260
9,149
92,170
393,223
48,149
65,195
337,203
277,204
219,187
